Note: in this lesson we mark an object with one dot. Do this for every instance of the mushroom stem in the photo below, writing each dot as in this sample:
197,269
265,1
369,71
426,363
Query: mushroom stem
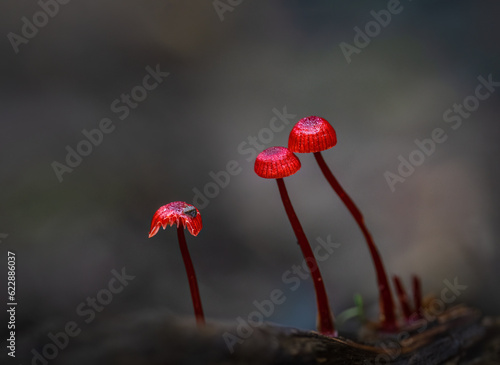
387,312
403,298
325,318
417,294
193,284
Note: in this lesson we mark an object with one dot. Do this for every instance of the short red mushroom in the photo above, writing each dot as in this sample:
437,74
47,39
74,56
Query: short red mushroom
417,295
277,163
184,216
315,134
403,298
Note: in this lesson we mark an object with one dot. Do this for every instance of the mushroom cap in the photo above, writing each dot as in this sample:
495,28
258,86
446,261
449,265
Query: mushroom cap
312,134
276,162
177,212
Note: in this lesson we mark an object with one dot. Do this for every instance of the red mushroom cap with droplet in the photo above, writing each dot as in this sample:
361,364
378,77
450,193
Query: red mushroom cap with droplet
178,213
276,162
312,134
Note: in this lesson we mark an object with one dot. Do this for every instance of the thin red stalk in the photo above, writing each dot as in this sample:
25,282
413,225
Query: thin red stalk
417,294
325,318
193,284
403,297
387,311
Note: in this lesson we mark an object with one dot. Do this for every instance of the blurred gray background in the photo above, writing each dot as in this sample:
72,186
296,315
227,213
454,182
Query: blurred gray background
227,74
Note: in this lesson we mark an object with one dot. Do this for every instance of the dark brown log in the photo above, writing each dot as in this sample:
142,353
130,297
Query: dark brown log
459,336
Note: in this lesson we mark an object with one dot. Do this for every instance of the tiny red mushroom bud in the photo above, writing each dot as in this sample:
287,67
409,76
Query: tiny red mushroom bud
315,134
417,295
183,215
277,163
403,298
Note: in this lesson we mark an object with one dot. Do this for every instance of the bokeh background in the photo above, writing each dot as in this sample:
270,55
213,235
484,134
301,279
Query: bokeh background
227,74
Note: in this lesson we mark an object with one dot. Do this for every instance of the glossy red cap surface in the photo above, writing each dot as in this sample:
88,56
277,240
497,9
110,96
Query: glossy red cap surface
312,134
178,213
276,162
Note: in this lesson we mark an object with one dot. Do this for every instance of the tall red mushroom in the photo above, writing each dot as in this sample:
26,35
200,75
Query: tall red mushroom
184,216
277,163
315,134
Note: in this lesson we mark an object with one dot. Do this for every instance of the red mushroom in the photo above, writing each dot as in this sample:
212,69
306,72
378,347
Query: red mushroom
417,295
183,215
403,298
315,134
277,163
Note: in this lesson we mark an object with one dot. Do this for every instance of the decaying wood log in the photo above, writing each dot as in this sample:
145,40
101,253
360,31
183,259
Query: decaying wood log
458,336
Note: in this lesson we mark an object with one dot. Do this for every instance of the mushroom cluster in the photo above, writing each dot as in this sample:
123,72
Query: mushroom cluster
314,135
310,135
